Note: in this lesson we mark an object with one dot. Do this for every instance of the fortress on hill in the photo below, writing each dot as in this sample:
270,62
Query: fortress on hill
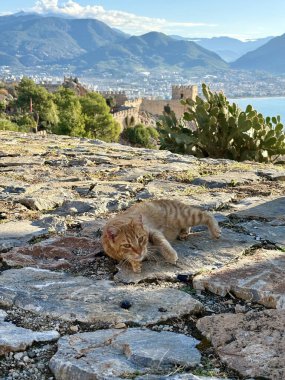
147,110
143,110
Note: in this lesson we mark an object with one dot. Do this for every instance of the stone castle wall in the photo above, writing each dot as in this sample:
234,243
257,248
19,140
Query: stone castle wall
183,92
156,107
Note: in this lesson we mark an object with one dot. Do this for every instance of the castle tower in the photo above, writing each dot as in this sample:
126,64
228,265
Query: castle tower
184,92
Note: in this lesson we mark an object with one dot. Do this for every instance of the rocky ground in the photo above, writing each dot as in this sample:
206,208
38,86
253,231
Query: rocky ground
69,312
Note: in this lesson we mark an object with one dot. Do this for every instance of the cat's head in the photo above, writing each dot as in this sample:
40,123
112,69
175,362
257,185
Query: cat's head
129,240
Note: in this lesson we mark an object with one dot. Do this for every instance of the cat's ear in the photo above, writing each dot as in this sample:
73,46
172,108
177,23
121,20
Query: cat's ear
137,219
112,232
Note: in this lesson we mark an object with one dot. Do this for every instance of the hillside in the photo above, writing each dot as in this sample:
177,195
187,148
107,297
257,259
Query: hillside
269,57
68,311
227,48
33,40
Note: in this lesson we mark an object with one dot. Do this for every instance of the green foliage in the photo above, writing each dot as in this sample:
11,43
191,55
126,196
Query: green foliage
2,107
71,120
25,121
43,105
222,130
94,104
99,123
143,136
103,127
8,125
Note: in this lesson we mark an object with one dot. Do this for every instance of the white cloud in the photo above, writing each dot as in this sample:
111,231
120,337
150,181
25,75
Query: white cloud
125,21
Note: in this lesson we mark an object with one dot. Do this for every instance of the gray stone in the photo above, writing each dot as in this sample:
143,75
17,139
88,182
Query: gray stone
180,376
226,179
186,193
273,175
268,210
76,298
75,207
55,253
15,234
13,338
41,203
20,161
273,231
256,278
113,354
198,253
253,344
3,315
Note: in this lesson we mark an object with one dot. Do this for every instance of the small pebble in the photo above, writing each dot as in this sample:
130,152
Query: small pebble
18,355
240,308
74,328
125,304
120,325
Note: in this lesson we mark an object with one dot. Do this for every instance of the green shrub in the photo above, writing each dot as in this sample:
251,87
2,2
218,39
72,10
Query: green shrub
142,136
26,122
222,130
7,125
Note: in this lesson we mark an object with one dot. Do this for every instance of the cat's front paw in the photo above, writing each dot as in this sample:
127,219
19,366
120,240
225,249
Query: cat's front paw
137,267
172,259
216,232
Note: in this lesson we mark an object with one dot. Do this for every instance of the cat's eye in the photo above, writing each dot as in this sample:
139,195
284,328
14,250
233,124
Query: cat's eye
141,239
126,245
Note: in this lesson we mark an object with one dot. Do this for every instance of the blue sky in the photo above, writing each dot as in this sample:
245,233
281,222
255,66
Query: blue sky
244,19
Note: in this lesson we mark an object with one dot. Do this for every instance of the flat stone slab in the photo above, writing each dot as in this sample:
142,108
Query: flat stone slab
70,298
120,354
273,232
186,193
55,253
13,338
268,210
253,344
14,234
226,179
198,253
20,161
273,175
180,376
257,278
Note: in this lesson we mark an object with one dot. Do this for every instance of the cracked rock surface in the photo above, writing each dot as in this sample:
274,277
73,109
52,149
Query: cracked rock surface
217,314
115,354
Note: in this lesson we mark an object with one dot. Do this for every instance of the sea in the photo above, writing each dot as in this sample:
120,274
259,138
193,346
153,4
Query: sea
270,106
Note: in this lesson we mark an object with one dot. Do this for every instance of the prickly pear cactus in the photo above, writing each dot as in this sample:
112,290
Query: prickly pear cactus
222,130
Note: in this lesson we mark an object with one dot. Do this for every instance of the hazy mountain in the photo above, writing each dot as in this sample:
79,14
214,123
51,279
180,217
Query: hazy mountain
31,39
269,57
153,50
228,48
50,40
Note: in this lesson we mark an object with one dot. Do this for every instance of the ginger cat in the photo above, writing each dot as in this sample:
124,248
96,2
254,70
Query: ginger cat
126,236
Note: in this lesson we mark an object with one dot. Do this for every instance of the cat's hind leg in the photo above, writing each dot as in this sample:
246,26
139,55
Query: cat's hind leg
159,240
184,233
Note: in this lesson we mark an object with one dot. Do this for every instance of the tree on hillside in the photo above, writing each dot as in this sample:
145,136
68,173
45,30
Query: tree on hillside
94,104
99,123
39,99
71,120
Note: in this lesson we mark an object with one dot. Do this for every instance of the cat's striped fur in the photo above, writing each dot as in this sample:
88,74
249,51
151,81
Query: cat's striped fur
126,236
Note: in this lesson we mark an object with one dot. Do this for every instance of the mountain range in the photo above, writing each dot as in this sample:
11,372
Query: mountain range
32,40
229,49
269,57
